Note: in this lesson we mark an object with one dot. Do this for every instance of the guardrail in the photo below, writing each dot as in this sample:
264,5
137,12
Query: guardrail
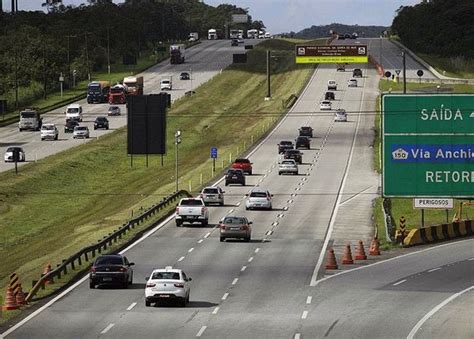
426,235
102,245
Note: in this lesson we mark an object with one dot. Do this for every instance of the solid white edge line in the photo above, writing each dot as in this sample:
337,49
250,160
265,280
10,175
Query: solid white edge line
107,329
304,315
224,297
399,282
434,310
434,269
201,331
235,281
215,310
309,299
129,308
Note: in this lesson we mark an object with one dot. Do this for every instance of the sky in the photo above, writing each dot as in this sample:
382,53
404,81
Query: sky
292,15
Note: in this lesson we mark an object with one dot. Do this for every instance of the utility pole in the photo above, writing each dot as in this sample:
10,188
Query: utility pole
13,6
177,141
108,48
269,94
87,58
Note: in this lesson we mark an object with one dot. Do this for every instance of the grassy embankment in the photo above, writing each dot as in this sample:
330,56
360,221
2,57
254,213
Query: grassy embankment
67,201
404,207
456,67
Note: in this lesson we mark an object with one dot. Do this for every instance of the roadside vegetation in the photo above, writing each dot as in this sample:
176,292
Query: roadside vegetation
64,202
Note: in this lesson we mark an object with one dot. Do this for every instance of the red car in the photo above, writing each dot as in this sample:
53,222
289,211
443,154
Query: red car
243,164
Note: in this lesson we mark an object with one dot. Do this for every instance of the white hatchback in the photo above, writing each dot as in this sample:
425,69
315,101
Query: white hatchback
352,83
258,198
325,105
167,284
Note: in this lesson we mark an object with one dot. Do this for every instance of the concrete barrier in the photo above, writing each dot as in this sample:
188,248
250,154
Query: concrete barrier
427,235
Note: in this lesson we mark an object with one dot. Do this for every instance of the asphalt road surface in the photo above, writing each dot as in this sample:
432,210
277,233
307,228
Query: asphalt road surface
203,61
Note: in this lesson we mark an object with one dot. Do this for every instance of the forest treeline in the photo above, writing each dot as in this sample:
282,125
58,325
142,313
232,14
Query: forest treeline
38,46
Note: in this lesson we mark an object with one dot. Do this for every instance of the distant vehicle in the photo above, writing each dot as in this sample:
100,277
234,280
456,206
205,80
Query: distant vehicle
167,284
294,154
329,96
101,122
184,76
234,34
347,36
30,120
285,145
80,132
235,227
98,92
243,164
341,37
113,110
302,142
341,68
118,94
357,73
70,124
74,111
267,35
258,198
234,42
340,115
166,84
325,105
252,34
192,210
10,152
111,269
332,85
235,176
288,166
193,36
212,195
215,34
352,83
134,85
354,36
261,34
177,54
240,40
49,131
306,131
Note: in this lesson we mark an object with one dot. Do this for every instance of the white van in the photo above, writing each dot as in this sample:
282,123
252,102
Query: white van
166,84
74,111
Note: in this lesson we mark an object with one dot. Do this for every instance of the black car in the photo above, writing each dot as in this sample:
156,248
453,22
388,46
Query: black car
306,131
357,73
111,270
184,76
294,154
101,122
341,68
347,36
235,176
302,142
234,42
285,145
70,124
329,96
341,37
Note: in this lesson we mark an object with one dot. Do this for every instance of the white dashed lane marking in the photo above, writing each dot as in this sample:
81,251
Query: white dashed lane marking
304,315
201,331
309,299
107,329
215,310
235,281
181,259
129,308
224,297
434,269
243,268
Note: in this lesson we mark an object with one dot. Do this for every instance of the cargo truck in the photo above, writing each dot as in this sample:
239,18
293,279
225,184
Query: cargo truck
98,92
134,85
117,94
177,53
30,120
193,36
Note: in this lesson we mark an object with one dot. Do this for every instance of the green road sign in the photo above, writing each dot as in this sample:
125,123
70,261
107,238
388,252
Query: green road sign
428,145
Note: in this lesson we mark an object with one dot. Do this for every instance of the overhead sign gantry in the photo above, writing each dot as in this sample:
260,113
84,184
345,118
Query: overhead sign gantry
331,54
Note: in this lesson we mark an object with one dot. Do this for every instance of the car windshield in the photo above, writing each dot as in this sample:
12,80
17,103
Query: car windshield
235,220
258,194
191,202
81,128
165,81
234,172
112,260
293,152
305,128
113,108
288,162
11,149
246,161
47,127
100,119
28,114
325,103
73,110
286,143
165,275
210,190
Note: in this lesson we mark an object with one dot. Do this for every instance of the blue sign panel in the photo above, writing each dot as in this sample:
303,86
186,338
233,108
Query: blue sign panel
429,153
213,152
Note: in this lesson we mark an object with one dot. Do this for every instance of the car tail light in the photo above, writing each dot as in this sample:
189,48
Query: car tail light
203,210
180,285
222,226
268,198
177,210
245,227
123,269
150,285
93,269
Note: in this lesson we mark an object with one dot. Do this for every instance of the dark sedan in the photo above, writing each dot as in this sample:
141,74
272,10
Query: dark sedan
306,131
302,142
111,270
101,122
184,76
70,124
294,154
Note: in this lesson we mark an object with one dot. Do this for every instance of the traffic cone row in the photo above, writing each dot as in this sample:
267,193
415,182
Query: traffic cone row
347,256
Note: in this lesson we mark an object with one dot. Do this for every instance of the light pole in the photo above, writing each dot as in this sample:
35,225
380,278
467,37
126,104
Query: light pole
191,79
380,52
177,141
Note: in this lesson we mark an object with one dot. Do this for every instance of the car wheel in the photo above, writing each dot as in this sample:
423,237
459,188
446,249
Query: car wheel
187,298
221,204
247,239
279,173
147,303
178,223
250,173
205,223
91,284
226,184
183,302
222,239
246,208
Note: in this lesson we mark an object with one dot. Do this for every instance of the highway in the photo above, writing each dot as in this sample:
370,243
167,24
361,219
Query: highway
203,61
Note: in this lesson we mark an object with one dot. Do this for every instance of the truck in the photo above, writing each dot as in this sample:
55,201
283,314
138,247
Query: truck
177,54
117,94
30,120
234,34
166,84
192,210
215,34
98,91
193,36
252,34
134,85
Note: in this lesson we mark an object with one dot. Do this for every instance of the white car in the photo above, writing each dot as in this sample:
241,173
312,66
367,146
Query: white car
113,110
340,115
80,132
212,195
325,105
166,85
49,131
332,85
74,111
8,157
167,284
352,83
288,166
258,198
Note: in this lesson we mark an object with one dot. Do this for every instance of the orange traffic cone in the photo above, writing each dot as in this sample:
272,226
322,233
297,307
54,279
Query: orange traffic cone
331,263
347,257
46,270
374,247
10,301
20,296
360,253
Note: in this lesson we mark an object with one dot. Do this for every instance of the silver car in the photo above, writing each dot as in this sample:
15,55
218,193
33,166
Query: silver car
340,115
325,105
235,227
113,110
81,132
168,284
212,195
258,198
288,166
352,83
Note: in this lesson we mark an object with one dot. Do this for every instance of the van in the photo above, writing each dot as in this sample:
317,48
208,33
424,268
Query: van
74,111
